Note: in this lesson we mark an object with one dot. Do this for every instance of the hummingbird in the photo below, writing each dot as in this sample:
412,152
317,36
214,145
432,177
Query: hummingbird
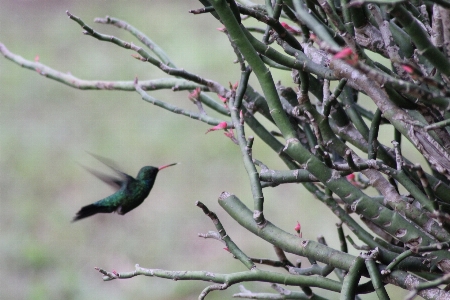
131,192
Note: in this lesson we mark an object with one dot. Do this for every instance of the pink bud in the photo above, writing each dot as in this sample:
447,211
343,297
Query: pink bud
350,177
195,94
226,249
289,28
348,55
229,134
222,29
115,273
234,86
221,125
224,100
285,25
408,69
298,227
344,53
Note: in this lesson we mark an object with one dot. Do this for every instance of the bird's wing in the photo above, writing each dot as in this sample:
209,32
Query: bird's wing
110,164
114,182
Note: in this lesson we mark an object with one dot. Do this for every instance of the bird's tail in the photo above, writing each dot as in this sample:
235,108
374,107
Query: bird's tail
90,210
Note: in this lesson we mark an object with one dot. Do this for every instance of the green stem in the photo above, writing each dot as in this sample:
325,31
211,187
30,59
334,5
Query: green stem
262,73
213,86
286,176
296,245
360,202
275,24
351,280
420,38
232,247
320,29
140,36
342,239
243,83
300,62
402,256
255,183
229,279
375,277
196,116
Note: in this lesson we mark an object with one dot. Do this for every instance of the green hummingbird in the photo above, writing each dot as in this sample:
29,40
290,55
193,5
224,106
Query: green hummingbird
131,192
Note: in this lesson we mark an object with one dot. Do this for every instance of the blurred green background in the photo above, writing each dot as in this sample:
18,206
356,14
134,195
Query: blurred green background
46,127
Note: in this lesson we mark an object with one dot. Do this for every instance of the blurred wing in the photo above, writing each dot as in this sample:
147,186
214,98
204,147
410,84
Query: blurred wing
110,164
114,182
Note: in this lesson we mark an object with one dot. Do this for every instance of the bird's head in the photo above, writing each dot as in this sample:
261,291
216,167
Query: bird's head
149,172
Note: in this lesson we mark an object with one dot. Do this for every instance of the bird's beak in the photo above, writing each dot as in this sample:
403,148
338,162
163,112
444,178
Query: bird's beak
166,166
